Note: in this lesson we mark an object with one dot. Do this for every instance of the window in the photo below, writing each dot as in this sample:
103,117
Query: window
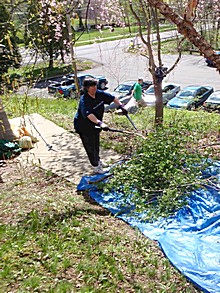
201,91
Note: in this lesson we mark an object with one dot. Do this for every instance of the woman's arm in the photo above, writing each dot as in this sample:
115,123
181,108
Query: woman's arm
93,118
117,102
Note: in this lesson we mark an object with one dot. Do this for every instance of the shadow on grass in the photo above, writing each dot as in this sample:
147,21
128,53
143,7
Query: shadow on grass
36,221
88,198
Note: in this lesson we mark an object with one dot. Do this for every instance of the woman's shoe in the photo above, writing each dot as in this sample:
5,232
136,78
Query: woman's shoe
98,170
103,164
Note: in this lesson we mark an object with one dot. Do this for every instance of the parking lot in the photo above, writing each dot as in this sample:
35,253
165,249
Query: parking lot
118,66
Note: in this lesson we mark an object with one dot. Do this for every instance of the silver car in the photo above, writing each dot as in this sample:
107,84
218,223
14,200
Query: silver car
212,104
123,93
169,90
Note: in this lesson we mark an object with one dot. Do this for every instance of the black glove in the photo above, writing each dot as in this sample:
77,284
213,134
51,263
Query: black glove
103,125
124,111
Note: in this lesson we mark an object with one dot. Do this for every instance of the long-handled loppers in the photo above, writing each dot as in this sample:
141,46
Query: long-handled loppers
122,131
132,123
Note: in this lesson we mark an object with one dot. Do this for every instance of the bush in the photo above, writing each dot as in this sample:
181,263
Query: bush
162,172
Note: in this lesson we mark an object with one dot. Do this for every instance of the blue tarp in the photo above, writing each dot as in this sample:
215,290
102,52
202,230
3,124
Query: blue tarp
190,239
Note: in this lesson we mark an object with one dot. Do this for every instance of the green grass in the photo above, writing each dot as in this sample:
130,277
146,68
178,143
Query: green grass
105,34
94,35
55,240
61,112
171,46
31,73
57,110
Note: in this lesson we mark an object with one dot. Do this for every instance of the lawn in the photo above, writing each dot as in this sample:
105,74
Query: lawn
89,37
54,239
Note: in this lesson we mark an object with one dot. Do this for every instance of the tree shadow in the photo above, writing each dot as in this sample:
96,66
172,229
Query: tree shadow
87,197
36,220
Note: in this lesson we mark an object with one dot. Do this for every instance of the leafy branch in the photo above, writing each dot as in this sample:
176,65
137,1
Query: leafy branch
164,169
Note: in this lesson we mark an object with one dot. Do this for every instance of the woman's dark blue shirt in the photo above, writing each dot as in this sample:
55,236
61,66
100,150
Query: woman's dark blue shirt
88,105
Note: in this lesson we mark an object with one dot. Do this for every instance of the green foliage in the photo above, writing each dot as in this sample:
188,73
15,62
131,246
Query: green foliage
9,55
161,173
166,166
58,110
30,73
40,71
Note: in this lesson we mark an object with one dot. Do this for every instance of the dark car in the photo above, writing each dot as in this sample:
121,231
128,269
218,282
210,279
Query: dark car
209,62
191,97
67,87
123,92
212,104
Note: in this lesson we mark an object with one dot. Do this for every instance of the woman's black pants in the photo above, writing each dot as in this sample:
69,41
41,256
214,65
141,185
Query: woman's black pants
91,145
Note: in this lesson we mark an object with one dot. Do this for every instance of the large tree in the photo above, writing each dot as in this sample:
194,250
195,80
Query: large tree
185,26
206,16
145,12
208,20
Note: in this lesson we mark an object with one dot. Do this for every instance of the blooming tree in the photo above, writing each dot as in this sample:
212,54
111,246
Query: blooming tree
46,28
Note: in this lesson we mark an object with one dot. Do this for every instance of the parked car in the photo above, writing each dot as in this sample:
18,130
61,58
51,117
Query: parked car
191,97
123,92
212,104
67,87
209,62
169,91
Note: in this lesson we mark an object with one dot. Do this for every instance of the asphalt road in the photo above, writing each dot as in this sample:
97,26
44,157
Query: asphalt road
118,65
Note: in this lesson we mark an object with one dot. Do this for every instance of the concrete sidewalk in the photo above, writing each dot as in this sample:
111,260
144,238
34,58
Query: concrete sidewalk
66,158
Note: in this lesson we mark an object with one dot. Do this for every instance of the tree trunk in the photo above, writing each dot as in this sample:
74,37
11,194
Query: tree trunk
51,56
187,29
51,62
217,34
72,55
5,127
159,102
62,55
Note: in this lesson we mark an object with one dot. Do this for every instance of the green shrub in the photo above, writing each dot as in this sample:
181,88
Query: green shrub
162,172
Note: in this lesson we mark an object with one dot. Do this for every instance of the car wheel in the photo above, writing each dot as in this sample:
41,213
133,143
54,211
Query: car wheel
102,85
192,107
72,94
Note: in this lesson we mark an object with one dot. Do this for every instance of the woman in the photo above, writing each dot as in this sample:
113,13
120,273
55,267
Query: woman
88,120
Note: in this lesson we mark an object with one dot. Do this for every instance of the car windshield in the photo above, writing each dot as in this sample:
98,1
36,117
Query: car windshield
71,76
123,88
186,94
215,98
150,91
71,79
55,84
